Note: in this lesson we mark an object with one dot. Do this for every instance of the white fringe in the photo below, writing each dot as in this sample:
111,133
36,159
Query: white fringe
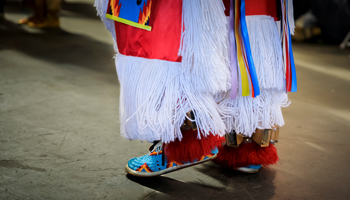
267,51
291,16
101,8
204,44
155,97
246,114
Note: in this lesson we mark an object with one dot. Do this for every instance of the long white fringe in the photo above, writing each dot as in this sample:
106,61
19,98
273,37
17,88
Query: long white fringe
155,97
101,8
204,44
267,51
291,16
246,114
155,94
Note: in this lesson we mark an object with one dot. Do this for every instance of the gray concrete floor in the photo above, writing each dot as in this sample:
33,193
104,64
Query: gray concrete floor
59,132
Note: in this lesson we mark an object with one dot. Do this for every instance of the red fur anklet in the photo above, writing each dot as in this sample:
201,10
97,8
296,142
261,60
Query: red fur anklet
190,148
246,154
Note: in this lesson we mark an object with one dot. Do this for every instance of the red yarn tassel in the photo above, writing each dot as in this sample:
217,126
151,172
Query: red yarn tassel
190,148
246,154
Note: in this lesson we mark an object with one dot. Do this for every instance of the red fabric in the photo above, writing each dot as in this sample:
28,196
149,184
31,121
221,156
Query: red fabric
256,7
227,7
288,72
162,42
190,148
246,154
261,7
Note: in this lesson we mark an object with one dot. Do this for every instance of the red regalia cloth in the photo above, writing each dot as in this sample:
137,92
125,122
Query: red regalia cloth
162,42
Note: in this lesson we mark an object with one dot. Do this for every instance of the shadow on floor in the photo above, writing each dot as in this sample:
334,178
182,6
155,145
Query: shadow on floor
82,9
57,45
235,185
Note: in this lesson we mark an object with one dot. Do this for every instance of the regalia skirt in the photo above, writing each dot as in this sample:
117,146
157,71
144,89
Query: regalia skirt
264,111
175,68
182,64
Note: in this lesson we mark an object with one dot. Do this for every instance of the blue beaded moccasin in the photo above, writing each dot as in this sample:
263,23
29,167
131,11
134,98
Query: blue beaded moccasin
250,169
155,163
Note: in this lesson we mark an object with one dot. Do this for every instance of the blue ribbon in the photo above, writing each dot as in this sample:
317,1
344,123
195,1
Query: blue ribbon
291,57
246,42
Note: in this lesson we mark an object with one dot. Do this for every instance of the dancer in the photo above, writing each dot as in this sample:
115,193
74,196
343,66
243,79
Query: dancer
176,77
46,14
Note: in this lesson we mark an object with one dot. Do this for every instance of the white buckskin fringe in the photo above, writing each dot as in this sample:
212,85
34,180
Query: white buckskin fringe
291,16
155,97
204,44
101,8
267,51
246,114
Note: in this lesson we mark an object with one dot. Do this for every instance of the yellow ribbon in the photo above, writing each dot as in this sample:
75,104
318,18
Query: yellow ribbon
241,63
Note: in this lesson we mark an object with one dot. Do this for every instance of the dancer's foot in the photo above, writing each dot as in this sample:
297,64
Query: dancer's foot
23,21
251,169
155,162
32,19
248,157
49,22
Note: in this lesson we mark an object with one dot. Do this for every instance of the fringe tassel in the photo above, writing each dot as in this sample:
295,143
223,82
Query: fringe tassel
155,97
290,12
246,114
267,51
204,44
101,8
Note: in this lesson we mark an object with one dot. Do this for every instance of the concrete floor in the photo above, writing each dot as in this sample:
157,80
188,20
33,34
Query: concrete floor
59,132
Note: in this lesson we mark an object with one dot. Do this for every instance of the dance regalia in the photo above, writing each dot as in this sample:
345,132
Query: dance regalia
174,65
254,120
174,68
